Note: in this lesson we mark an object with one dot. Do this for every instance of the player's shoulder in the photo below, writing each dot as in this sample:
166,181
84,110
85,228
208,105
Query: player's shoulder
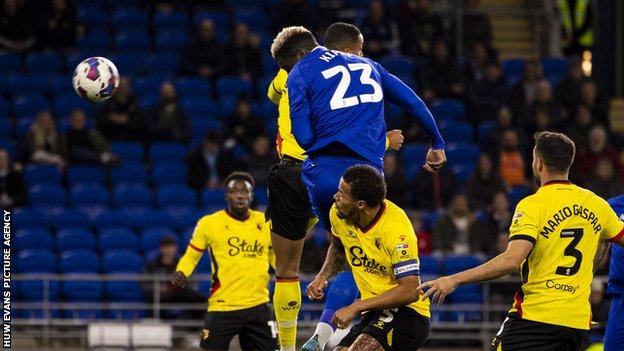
211,218
394,215
257,216
531,203
280,79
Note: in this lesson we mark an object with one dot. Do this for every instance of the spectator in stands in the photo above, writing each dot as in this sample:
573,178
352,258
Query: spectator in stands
43,142
165,264
544,100
260,159
243,54
488,95
204,56
479,60
496,220
598,148
477,26
593,100
16,29
396,190
433,191
452,234
168,120
331,11
59,30
483,183
523,93
119,119
512,166
504,121
12,185
380,32
418,25
577,131
209,164
243,126
424,237
86,145
568,90
604,181
440,76
541,121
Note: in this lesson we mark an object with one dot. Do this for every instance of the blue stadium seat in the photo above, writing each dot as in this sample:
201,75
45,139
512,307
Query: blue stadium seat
79,261
30,218
44,62
151,83
122,261
66,103
429,265
22,84
36,261
132,194
133,41
89,194
74,239
60,85
42,174
148,101
94,40
6,129
29,105
8,145
554,69
256,19
399,65
173,20
128,62
484,129
10,62
199,107
70,218
232,86
448,110
150,237
413,157
169,173
150,218
261,195
171,40
269,64
46,195
92,15
175,194
220,19
213,197
182,215
163,62
194,87
457,263
462,171
462,154
518,193
457,132
36,238
513,70
128,173
128,151
202,124
117,238
109,219
85,174
129,18
160,152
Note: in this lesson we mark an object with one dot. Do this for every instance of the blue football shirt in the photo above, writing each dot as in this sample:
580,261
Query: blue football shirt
616,264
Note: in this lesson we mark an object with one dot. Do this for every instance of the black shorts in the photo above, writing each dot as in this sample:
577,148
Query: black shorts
400,329
289,206
251,325
522,334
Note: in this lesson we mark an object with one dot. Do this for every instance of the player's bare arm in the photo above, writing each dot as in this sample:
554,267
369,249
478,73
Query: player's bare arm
501,265
334,261
601,257
403,294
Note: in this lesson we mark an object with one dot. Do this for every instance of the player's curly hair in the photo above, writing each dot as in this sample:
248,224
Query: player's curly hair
244,176
341,34
289,42
367,184
556,150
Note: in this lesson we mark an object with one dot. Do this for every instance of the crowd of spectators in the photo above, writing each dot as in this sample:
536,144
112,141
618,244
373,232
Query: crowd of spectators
473,215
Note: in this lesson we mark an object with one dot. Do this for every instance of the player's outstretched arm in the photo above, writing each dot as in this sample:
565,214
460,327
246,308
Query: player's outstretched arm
186,266
501,265
403,294
334,261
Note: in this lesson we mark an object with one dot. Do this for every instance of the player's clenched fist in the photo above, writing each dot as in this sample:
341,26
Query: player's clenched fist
316,287
395,139
436,159
179,280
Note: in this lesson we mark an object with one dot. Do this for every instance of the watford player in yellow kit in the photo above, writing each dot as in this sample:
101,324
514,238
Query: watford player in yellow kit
239,244
289,207
553,239
377,240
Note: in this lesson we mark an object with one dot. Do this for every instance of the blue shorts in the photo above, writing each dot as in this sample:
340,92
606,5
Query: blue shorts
321,175
614,336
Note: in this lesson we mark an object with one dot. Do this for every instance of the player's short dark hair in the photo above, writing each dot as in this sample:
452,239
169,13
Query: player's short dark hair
289,42
556,150
367,184
341,34
243,176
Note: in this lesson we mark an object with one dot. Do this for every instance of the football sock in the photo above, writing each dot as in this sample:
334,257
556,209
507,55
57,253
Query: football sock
287,302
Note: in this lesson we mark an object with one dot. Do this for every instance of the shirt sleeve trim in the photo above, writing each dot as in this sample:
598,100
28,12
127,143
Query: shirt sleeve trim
196,248
523,237
618,236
